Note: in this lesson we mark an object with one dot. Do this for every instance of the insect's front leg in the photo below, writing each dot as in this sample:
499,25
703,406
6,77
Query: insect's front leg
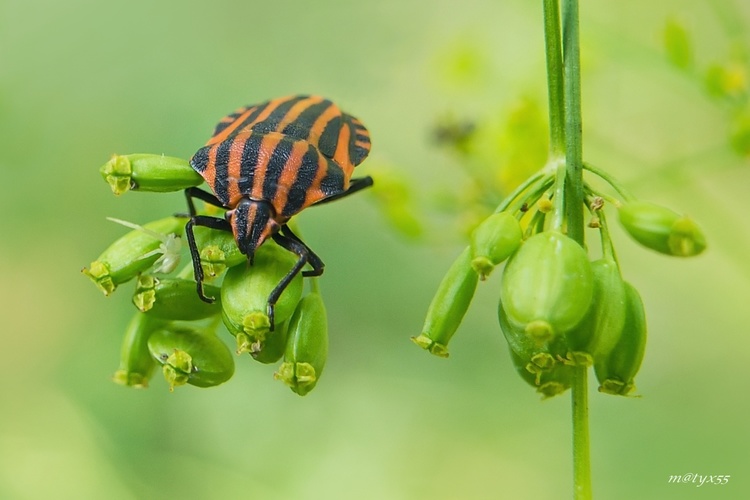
205,221
317,265
194,192
303,256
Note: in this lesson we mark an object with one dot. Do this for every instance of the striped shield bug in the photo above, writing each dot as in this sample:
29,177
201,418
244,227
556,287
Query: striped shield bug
267,162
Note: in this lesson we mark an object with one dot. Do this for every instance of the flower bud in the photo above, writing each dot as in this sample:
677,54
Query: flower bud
547,286
218,251
306,345
246,288
174,299
191,356
541,365
269,351
136,363
448,306
616,369
493,241
131,254
662,229
601,326
148,172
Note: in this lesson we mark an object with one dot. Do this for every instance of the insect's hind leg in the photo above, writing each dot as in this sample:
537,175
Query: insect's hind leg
205,221
355,185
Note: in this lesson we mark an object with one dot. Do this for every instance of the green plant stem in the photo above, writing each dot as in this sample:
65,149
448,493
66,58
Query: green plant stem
581,453
556,97
626,195
574,190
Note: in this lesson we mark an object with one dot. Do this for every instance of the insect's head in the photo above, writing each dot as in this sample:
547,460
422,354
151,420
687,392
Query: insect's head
252,223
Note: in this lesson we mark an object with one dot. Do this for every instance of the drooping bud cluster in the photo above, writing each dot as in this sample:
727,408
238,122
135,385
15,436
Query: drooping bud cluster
558,309
172,327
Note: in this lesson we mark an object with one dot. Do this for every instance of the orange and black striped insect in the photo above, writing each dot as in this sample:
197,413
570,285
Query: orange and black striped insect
266,163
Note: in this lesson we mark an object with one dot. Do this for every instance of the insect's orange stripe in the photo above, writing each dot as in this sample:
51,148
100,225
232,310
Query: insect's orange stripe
209,173
230,128
234,168
265,153
297,110
289,174
314,193
341,156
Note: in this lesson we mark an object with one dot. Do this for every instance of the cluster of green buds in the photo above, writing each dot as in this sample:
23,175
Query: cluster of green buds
172,327
558,308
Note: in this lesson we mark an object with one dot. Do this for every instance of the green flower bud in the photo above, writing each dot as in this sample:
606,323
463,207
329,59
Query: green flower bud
306,345
191,356
269,351
493,241
147,172
174,299
548,380
547,286
662,229
131,254
218,251
448,306
246,288
136,363
616,369
542,366
601,326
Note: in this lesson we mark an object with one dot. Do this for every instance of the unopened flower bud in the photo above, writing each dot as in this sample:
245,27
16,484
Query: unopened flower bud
218,251
493,241
174,299
541,365
246,288
136,363
547,286
191,356
306,345
448,306
131,254
662,229
601,326
616,369
148,172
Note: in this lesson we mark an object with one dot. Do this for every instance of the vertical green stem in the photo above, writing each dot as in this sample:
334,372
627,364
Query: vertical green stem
581,453
553,49
573,129
574,218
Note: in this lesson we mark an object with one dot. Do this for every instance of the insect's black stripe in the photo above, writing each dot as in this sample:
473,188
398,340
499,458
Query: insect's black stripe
306,174
200,160
221,166
329,138
273,120
249,162
333,182
277,161
302,127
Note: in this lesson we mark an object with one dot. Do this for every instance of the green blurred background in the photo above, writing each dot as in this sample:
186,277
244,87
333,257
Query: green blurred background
83,79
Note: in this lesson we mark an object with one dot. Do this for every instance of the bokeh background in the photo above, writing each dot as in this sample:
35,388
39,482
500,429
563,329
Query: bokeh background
83,79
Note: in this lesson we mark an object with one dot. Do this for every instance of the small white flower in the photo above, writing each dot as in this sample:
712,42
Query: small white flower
170,247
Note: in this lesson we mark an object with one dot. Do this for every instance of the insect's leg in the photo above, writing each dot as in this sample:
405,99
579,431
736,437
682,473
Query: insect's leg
303,255
354,185
194,192
312,258
206,221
